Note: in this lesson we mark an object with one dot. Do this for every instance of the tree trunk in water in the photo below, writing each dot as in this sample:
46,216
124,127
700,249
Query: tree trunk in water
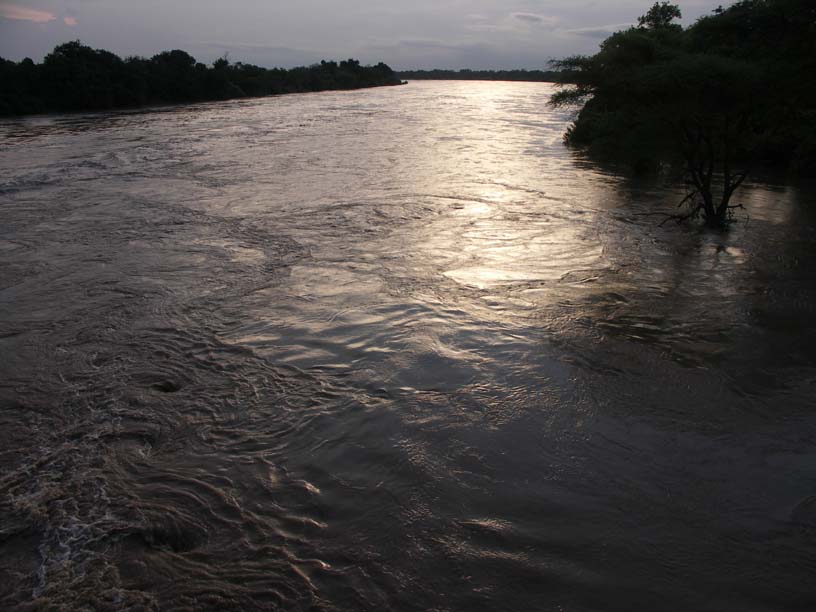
715,215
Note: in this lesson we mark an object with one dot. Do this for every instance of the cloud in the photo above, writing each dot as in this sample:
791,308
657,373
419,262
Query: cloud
71,21
20,13
262,54
534,18
604,31
514,23
410,54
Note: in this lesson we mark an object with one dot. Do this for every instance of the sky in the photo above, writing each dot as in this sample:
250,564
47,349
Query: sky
406,34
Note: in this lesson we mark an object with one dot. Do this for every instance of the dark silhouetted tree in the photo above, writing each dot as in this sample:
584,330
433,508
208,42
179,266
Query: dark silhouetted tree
712,99
77,77
661,15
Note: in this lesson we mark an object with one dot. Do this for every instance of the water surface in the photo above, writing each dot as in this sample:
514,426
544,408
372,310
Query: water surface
394,349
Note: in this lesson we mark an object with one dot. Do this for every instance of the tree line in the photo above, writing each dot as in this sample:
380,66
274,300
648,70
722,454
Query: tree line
733,91
75,77
548,76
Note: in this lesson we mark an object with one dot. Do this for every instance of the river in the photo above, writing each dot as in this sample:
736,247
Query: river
393,349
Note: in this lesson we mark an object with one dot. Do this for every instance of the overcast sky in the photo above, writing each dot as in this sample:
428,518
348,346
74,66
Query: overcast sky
489,34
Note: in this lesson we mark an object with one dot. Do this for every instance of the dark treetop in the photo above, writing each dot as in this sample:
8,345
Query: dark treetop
75,77
732,91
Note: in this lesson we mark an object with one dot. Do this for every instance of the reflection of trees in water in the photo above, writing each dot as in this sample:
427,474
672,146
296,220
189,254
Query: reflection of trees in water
739,302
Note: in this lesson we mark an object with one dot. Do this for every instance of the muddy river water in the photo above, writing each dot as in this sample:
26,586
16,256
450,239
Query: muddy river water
393,349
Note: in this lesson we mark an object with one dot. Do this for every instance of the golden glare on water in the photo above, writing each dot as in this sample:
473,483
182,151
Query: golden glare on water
506,214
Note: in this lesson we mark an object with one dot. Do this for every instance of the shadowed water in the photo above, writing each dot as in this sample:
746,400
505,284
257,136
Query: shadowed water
394,349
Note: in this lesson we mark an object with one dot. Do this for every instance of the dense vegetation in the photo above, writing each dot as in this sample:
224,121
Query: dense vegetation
732,91
76,77
549,76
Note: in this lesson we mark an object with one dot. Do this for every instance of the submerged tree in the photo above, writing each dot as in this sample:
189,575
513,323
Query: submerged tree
694,111
654,99
714,105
